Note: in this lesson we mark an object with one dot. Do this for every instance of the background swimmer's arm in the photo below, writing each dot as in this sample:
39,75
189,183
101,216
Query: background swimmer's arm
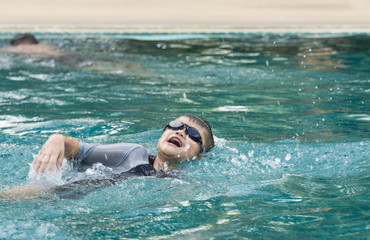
52,153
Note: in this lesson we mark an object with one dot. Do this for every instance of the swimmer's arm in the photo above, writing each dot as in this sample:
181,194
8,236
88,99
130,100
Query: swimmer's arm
52,153
24,192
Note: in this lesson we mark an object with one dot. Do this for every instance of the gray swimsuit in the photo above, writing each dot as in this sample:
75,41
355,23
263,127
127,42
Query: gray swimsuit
125,159
121,157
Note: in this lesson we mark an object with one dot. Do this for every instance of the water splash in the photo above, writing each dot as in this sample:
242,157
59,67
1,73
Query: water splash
187,146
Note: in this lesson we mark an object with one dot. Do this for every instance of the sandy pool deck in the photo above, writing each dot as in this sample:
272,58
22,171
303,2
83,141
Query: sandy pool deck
185,16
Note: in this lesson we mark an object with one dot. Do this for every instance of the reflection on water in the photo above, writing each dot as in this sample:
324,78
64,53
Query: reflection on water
290,114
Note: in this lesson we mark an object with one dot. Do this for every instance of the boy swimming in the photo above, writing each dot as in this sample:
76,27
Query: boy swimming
184,138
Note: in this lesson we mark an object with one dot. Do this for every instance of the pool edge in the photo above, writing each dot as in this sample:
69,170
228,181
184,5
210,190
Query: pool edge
186,29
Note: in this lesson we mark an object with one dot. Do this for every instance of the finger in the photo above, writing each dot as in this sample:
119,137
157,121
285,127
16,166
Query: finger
44,164
60,161
52,163
56,161
37,162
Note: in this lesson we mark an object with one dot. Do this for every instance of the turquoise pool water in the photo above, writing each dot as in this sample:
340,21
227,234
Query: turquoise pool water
290,113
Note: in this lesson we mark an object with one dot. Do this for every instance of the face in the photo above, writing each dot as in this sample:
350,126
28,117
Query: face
176,145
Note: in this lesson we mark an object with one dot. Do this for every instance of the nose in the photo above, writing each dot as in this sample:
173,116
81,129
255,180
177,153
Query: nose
181,132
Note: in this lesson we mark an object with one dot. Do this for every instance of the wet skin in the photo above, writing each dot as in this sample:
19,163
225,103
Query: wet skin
175,145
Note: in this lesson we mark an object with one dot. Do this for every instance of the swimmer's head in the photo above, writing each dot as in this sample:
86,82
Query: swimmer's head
185,137
23,39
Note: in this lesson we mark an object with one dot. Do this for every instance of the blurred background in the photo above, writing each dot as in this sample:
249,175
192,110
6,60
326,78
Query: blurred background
207,15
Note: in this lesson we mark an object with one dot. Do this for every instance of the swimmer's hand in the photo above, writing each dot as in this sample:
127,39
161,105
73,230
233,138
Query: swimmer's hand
53,152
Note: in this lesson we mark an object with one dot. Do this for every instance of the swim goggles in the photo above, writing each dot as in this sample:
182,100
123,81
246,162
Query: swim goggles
193,133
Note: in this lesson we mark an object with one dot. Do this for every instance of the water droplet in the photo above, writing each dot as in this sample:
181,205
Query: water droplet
267,63
310,50
187,146
165,166
288,157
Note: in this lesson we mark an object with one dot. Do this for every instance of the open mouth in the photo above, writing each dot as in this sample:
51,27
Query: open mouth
175,141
